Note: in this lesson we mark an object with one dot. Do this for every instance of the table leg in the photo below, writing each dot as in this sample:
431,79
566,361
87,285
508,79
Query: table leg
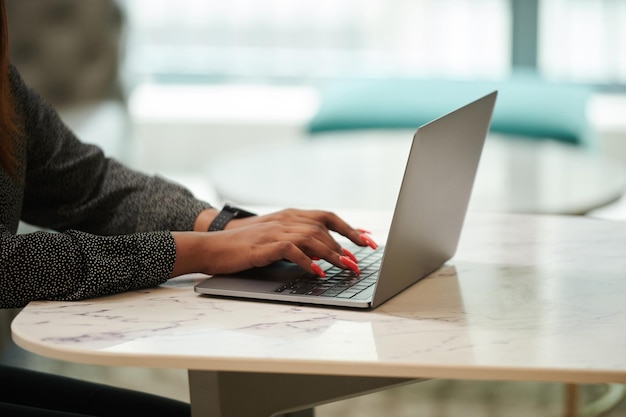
571,400
249,394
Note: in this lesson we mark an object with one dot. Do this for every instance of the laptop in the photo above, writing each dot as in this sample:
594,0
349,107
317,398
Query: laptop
424,232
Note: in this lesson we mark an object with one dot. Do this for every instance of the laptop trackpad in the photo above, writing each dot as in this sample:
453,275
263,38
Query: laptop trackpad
265,279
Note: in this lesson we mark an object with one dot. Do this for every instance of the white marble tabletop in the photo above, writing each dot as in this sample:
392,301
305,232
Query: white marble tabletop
539,298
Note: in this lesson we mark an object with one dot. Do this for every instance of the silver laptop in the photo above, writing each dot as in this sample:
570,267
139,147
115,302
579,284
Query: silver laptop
424,232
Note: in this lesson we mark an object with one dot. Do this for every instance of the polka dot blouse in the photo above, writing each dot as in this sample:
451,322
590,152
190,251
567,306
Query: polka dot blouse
110,225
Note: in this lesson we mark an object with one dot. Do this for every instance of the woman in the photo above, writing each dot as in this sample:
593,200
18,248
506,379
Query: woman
118,230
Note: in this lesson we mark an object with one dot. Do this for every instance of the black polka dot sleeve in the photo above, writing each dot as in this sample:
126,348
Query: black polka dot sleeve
75,265
111,226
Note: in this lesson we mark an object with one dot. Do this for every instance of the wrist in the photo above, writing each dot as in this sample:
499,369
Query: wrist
204,219
190,253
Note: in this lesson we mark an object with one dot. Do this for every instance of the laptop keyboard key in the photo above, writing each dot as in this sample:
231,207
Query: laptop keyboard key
339,282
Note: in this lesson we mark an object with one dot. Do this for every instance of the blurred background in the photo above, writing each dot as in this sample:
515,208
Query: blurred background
174,87
178,87
169,87
202,74
278,41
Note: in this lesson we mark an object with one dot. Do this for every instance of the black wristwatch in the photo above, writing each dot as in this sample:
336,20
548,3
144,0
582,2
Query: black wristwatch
228,213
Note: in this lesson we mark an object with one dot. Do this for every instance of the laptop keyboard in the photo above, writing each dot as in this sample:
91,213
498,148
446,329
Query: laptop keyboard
339,283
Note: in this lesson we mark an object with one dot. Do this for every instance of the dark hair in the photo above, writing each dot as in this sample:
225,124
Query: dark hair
9,130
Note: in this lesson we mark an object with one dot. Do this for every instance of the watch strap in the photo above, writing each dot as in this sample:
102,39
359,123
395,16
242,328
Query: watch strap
225,215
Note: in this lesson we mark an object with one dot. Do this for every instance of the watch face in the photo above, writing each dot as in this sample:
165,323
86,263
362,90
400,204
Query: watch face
238,213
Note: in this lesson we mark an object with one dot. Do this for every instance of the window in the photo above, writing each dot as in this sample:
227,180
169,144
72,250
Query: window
308,40
283,40
583,40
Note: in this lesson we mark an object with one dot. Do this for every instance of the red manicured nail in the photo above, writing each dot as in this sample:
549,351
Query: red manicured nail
316,268
315,258
368,241
349,255
363,231
350,264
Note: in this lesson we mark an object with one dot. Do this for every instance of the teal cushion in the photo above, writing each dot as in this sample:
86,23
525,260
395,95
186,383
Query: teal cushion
526,106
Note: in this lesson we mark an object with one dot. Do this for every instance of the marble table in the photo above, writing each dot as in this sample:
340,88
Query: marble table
526,298
363,170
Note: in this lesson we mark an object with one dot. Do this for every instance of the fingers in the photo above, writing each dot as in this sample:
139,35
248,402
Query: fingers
296,251
365,237
302,236
314,242
302,245
335,223
345,261
326,219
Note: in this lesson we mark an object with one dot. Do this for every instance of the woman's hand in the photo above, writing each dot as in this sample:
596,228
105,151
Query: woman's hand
299,236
